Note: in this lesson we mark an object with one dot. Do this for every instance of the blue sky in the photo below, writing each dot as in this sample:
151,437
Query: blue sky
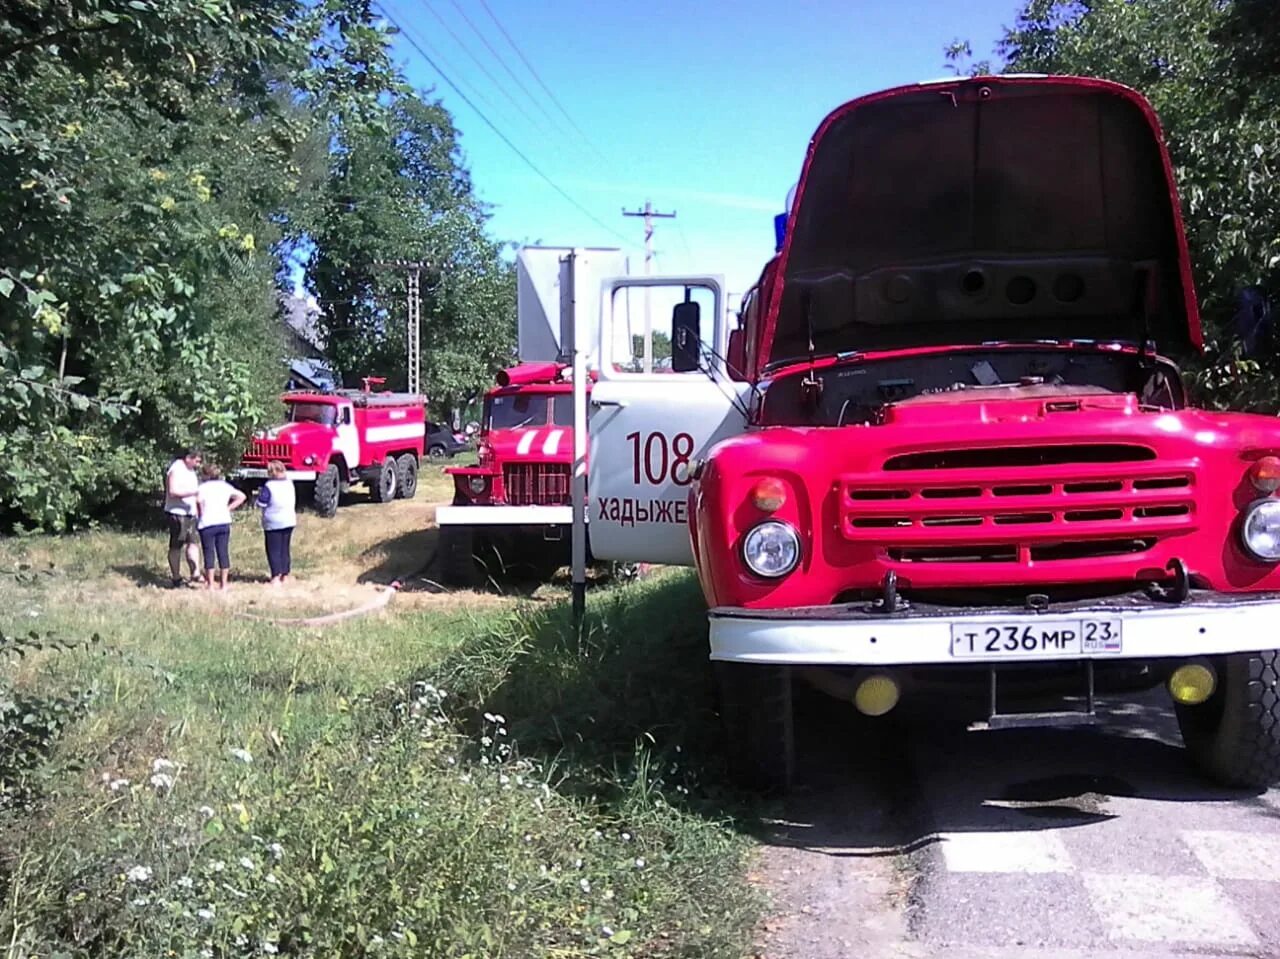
705,108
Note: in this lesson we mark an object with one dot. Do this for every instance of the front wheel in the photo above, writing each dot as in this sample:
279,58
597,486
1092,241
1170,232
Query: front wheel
383,485
457,560
1234,737
758,724
436,453
328,487
407,476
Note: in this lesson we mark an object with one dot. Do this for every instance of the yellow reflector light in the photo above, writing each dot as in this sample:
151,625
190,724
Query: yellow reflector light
1265,474
769,494
876,695
1192,684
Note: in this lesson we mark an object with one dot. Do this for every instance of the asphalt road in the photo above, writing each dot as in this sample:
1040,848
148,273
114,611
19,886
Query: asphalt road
919,839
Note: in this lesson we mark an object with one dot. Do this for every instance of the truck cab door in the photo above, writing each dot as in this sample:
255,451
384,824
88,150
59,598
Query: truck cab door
346,440
655,413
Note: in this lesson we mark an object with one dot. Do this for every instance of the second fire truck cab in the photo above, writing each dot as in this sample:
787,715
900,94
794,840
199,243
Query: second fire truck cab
512,509
947,442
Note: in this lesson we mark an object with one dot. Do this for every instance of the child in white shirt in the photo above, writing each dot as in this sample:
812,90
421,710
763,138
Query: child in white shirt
215,501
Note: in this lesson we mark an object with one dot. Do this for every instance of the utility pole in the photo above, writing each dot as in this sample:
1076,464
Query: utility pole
649,214
413,323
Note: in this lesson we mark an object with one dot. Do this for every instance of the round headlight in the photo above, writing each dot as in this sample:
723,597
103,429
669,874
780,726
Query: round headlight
478,484
771,549
1261,530
308,460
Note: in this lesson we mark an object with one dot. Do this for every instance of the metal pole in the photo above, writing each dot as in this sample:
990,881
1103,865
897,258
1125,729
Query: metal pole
649,213
413,319
578,543
412,334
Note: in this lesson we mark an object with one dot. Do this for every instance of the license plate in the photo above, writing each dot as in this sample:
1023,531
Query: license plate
1035,638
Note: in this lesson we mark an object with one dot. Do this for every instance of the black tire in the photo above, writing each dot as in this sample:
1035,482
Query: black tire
437,453
383,486
456,559
1234,738
328,487
407,476
759,727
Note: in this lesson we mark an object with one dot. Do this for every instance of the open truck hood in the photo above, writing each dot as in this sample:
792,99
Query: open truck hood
992,208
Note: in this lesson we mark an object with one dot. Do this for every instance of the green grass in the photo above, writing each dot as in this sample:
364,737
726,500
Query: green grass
442,779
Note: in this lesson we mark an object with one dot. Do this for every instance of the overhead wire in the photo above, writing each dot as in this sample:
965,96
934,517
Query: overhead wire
536,76
421,41
500,135
507,67
501,88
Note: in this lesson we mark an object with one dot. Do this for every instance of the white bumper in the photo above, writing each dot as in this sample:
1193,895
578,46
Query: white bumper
835,636
504,515
253,472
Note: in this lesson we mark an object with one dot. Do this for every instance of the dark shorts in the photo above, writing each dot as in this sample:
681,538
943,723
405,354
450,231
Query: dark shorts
182,530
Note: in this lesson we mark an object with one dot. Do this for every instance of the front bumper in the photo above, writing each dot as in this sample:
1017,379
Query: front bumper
260,473
847,635
504,515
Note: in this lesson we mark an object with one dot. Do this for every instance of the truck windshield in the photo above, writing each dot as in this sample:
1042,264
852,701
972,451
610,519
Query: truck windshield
516,410
323,413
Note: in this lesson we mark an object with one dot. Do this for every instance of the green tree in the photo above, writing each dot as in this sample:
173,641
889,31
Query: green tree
164,165
397,190
1210,68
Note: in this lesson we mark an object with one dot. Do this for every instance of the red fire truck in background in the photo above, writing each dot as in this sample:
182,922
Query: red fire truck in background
511,511
332,440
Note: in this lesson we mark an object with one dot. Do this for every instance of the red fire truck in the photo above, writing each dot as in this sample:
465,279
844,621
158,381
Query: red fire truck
948,441
331,440
511,512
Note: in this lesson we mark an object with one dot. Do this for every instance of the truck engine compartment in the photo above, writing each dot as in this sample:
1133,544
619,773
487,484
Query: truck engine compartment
858,392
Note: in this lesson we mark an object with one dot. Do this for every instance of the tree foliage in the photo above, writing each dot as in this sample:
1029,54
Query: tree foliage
1211,69
163,164
396,192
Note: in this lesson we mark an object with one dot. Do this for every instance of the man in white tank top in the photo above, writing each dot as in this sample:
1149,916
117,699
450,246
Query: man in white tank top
180,484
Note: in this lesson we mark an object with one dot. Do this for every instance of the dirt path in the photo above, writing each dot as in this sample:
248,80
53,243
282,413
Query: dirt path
831,859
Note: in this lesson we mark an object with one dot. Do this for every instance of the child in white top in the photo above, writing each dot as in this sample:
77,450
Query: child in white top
215,501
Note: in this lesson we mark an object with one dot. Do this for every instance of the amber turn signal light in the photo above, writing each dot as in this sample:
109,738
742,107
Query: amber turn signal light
1265,474
769,494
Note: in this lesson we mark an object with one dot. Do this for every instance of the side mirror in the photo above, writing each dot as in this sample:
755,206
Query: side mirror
686,337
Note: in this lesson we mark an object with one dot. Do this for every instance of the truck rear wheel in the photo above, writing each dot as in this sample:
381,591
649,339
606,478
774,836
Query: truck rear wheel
759,728
383,486
1234,738
328,486
407,476
456,557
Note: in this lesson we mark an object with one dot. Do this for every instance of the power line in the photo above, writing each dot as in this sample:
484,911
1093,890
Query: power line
502,136
534,73
483,69
411,36
502,60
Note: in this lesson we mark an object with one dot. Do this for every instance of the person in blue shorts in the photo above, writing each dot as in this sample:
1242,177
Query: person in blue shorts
216,499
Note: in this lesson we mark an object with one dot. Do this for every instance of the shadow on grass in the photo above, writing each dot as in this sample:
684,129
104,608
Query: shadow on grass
630,697
141,575
412,559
